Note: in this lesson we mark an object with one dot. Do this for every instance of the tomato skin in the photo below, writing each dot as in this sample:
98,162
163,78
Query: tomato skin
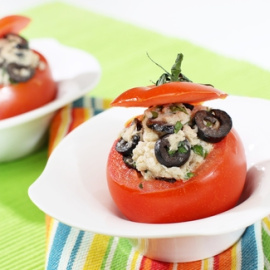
13,24
171,92
215,188
22,97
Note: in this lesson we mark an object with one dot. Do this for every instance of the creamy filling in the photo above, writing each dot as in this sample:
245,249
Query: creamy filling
143,155
12,53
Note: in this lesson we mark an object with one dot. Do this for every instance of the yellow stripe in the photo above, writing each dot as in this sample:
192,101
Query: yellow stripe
63,128
205,264
96,252
134,260
106,103
87,114
49,232
234,257
266,221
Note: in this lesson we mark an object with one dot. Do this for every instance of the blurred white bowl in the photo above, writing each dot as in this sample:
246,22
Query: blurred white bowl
79,196
76,73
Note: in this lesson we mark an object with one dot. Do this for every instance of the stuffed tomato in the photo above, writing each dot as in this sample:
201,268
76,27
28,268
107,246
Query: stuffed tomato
26,81
180,160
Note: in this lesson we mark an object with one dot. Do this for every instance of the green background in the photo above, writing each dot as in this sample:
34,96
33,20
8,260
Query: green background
121,50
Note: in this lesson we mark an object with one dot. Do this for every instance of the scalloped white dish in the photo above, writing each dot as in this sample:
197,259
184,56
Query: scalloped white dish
76,73
73,187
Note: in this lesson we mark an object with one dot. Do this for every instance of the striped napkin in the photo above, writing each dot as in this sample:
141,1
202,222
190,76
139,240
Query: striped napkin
74,249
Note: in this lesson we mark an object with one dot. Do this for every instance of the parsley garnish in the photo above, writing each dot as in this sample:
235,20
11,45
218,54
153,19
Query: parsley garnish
198,149
189,175
178,126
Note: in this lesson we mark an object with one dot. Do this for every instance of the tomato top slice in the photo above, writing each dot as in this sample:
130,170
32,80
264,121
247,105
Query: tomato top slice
13,24
171,92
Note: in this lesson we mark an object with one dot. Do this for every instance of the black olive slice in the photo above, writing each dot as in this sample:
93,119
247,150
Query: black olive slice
125,148
138,124
160,127
189,106
212,125
168,159
19,73
22,43
169,180
129,162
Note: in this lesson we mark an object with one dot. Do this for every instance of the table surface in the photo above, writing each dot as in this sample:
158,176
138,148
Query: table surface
233,28
226,44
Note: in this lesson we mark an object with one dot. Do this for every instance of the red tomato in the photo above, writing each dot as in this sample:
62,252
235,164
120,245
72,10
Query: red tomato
215,188
171,92
13,24
22,97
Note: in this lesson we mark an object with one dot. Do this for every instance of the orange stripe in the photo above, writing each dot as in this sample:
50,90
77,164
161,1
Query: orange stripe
225,259
54,130
190,266
79,116
49,224
146,264
59,127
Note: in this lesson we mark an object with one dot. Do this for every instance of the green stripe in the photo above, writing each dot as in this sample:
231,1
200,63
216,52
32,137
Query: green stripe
266,244
121,254
104,266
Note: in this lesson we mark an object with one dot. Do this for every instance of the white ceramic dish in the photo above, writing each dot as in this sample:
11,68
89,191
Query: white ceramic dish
73,187
76,73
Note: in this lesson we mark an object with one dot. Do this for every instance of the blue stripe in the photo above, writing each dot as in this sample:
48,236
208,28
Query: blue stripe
78,103
94,104
249,250
75,250
59,242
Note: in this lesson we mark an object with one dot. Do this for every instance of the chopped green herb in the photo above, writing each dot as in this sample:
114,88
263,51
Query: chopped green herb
176,108
189,175
178,126
182,149
198,149
154,114
141,186
171,152
208,123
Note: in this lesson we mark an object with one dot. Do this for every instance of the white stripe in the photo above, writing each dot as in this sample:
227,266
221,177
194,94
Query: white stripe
258,237
82,253
238,255
174,266
139,261
266,263
99,103
210,262
130,258
70,242
112,251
